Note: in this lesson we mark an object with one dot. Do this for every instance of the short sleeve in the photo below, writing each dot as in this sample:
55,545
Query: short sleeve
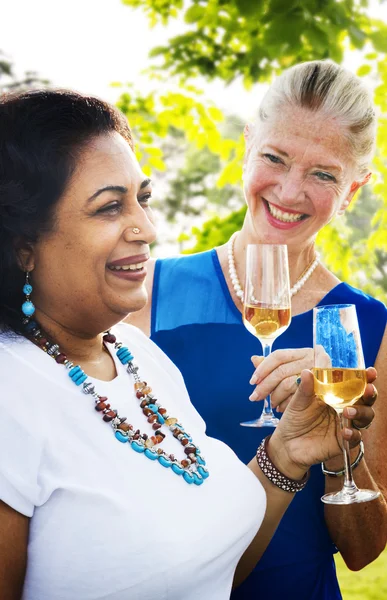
20,457
21,438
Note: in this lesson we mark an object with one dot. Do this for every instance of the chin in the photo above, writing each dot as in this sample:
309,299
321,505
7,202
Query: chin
136,302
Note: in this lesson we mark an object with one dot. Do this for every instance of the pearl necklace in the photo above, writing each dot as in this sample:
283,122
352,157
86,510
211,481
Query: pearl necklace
234,277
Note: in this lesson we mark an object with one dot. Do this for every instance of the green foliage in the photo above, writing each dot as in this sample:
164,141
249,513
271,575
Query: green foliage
216,231
227,39
181,112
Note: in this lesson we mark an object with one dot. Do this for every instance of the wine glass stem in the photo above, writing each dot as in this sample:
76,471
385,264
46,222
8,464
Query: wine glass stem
267,409
349,484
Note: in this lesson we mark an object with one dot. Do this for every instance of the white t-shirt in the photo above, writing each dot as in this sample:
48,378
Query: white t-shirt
106,522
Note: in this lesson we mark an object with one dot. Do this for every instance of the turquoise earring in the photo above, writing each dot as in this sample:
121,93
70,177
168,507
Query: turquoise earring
27,307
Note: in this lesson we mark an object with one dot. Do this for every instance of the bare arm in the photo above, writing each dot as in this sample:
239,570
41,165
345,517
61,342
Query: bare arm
307,432
360,530
13,552
142,318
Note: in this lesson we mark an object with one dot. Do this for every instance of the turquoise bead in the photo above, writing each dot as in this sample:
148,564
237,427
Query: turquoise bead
137,447
165,461
178,470
120,437
80,379
150,454
121,350
28,308
203,472
200,460
160,419
125,358
188,477
153,407
197,480
74,370
27,289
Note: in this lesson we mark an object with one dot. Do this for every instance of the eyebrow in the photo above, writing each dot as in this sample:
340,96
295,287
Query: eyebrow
322,167
121,189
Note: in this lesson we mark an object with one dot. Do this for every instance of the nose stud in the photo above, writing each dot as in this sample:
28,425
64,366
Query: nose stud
136,230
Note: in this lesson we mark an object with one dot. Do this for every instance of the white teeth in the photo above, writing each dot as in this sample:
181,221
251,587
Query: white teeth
136,267
284,216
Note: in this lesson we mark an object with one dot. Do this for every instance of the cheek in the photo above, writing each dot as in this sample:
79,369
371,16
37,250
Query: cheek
256,178
326,202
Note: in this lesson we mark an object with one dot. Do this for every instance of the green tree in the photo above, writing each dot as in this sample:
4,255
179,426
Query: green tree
250,38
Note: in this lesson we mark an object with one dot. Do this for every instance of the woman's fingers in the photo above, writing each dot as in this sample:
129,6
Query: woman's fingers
283,359
371,374
282,406
361,415
280,382
352,436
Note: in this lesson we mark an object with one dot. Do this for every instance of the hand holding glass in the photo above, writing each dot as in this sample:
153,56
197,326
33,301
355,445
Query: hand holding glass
266,305
340,379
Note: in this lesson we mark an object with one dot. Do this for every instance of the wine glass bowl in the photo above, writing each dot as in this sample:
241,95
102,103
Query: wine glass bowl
340,380
266,305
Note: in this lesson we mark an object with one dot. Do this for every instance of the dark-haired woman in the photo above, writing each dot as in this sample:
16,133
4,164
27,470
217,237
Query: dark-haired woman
306,156
109,487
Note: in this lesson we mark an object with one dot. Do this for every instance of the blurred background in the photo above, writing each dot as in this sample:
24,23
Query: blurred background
189,75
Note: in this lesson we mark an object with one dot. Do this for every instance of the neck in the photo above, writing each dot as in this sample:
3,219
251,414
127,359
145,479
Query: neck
78,345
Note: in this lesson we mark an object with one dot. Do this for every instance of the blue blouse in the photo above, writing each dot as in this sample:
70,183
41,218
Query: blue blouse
196,323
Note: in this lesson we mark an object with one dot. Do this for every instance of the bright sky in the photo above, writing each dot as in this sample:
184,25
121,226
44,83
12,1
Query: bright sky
87,44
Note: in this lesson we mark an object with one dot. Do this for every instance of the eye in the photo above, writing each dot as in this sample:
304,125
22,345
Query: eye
114,208
324,176
145,198
273,158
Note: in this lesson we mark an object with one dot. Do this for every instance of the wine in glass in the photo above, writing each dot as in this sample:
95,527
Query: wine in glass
340,379
266,305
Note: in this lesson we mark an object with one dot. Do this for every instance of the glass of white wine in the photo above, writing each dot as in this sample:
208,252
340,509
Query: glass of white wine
340,380
266,305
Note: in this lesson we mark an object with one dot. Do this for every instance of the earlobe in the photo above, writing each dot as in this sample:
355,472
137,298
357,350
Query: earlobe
25,256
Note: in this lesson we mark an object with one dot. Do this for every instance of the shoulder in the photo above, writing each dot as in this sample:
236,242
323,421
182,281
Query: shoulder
12,351
364,301
188,264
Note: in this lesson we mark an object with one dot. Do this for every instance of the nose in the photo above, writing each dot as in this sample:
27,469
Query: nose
140,227
290,190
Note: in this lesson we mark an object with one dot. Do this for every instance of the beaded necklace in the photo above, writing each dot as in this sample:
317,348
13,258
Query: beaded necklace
191,468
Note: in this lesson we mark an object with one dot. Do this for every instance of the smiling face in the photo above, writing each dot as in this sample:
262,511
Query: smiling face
298,174
88,273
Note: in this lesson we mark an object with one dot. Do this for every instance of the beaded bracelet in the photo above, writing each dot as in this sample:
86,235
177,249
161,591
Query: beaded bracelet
274,475
342,471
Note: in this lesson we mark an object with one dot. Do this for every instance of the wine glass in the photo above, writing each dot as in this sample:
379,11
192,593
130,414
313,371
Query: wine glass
340,380
266,305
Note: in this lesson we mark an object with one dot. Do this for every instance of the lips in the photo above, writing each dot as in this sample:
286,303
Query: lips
129,263
130,268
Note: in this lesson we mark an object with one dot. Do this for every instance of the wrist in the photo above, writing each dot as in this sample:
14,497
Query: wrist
282,459
337,463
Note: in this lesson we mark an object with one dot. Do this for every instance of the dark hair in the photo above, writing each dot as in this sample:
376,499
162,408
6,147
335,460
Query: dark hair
42,134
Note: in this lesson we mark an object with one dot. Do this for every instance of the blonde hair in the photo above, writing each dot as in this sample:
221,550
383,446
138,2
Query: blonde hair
327,88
